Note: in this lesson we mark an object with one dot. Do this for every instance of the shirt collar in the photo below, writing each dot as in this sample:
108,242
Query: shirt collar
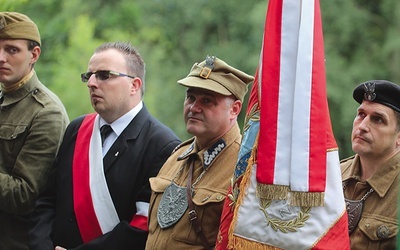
208,155
121,123
20,93
383,177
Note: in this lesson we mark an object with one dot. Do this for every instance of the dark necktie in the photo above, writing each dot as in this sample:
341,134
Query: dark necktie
105,131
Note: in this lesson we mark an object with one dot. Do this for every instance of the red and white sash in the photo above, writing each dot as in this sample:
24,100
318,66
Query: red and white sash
93,206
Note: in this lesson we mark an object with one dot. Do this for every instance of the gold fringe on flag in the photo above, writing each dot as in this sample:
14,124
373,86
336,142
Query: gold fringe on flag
306,199
242,243
272,192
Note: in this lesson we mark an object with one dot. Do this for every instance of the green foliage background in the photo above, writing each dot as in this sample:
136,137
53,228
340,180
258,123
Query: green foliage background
362,42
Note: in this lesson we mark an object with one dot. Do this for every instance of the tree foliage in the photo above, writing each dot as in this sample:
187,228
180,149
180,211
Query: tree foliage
361,43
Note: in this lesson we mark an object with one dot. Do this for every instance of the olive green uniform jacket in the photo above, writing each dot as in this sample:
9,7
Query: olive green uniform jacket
32,123
378,226
218,163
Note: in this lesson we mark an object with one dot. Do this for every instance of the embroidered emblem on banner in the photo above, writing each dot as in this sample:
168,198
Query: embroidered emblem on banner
282,217
213,152
172,206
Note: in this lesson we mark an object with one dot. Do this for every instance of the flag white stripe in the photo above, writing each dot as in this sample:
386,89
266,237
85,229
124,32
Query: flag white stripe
302,101
289,40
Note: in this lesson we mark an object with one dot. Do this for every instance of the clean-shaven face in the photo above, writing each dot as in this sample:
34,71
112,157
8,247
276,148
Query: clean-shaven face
374,130
16,60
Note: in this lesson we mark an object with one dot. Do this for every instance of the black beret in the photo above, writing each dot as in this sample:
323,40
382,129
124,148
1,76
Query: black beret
380,91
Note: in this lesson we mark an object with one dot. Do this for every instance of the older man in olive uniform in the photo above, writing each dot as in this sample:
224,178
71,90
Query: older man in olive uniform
189,192
371,177
32,123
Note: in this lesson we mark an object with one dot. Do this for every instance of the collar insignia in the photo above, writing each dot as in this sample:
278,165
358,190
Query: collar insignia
212,153
369,94
187,152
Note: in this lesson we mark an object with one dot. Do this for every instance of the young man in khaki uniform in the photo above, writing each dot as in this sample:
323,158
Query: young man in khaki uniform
371,177
32,123
188,193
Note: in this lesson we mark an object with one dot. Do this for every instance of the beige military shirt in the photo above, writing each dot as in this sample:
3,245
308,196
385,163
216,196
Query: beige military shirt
213,170
378,226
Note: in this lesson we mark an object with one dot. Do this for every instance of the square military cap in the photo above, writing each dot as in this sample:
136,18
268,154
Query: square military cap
14,25
380,91
216,75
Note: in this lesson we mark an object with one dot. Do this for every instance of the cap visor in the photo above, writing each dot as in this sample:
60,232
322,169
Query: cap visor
197,82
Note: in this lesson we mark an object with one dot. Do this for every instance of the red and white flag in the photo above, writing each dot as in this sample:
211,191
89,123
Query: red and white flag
287,190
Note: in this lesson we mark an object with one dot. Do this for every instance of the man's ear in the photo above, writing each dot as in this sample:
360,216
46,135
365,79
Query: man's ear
136,85
236,108
35,54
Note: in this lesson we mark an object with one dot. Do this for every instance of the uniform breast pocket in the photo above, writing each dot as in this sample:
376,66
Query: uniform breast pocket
12,138
208,204
379,230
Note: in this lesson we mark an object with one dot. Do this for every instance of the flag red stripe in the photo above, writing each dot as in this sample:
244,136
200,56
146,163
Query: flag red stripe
319,110
270,78
83,204
334,238
253,96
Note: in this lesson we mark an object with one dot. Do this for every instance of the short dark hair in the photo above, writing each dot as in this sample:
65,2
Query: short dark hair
32,44
134,60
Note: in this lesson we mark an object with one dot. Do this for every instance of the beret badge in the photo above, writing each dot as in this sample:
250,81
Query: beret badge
208,67
369,88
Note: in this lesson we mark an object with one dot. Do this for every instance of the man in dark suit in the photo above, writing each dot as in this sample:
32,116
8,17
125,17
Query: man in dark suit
102,203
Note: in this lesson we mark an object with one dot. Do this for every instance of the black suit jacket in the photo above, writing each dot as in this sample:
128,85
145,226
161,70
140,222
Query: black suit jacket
142,148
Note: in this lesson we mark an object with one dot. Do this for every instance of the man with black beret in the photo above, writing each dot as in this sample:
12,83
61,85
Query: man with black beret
371,176
32,123
189,192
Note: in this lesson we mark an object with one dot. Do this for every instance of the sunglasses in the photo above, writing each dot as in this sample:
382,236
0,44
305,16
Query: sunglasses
102,75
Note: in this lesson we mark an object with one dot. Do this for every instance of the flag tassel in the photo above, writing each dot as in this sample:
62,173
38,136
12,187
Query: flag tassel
242,243
272,192
306,199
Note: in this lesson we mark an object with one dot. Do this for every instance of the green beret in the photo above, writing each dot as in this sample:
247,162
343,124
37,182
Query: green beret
14,25
380,91
216,75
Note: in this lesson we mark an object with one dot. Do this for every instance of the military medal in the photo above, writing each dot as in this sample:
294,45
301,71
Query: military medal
354,210
172,206
174,203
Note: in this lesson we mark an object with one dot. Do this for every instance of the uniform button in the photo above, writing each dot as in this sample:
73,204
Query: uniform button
220,197
35,91
382,232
